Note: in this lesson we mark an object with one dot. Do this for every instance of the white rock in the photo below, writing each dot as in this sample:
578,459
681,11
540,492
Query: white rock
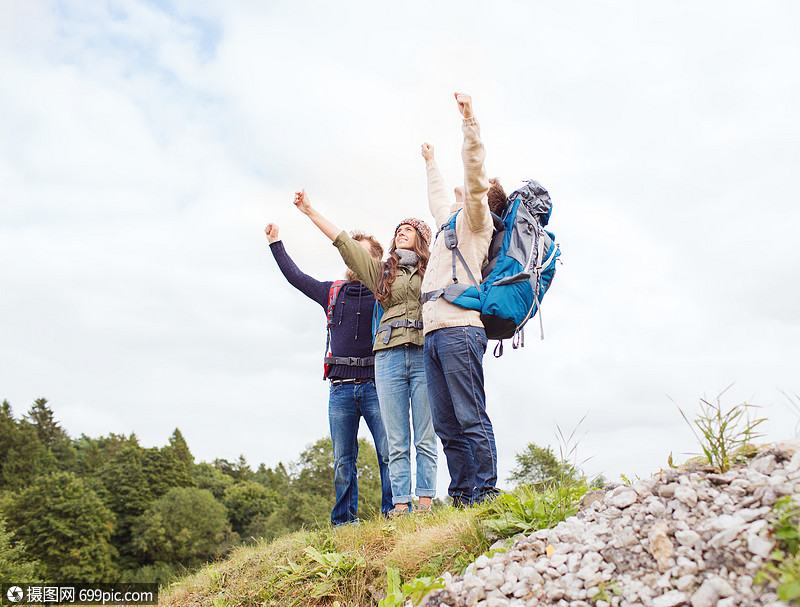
687,495
655,507
759,546
624,499
507,588
673,598
744,584
686,566
794,463
722,586
705,596
495,579
687,538
685,582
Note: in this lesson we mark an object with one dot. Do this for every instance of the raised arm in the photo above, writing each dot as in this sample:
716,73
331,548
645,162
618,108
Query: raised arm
303,203
309,286
437,195
363,265
476,184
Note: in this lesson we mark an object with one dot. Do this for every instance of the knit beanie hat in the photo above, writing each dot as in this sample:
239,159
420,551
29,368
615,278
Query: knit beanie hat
420,226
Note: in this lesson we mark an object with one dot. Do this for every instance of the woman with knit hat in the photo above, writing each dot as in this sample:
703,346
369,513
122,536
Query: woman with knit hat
399,367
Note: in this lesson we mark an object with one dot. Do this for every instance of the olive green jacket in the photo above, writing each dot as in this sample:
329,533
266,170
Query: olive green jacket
404,300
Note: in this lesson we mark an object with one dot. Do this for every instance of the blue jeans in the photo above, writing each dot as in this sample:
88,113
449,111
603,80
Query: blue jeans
400,380
454,367
346,405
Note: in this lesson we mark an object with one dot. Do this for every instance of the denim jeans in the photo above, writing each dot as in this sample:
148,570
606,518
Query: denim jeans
454,368
347,404
400,380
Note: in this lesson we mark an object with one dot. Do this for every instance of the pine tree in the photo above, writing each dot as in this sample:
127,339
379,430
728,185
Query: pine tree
66,526
181,450
42,418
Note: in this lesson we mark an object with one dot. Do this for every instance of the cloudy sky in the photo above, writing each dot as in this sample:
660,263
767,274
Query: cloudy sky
145,145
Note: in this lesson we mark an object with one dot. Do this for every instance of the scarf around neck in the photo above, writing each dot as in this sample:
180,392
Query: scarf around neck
407,258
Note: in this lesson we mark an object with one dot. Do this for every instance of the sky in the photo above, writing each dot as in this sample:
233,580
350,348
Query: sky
144,146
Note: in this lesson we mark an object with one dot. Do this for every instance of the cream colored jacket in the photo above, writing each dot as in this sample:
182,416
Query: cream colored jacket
473,227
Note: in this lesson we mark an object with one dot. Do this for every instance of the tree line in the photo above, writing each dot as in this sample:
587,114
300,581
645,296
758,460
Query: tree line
107,509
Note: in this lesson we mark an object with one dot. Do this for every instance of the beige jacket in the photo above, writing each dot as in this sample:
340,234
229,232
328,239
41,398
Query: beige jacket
473,227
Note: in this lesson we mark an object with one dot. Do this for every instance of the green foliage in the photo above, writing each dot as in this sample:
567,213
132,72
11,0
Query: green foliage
185,525
277,480
43,420
527,510
14,562
540,468
181,449
160,573
93,453
398,593
783,569
23,455
724,435
66,526
132,479
323,573
207,476
604,589
238,471
309,496
249,505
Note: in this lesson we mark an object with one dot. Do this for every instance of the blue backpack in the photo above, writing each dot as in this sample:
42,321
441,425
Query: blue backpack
521,265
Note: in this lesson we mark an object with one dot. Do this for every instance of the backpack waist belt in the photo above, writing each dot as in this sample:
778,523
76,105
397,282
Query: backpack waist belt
397,324
350,361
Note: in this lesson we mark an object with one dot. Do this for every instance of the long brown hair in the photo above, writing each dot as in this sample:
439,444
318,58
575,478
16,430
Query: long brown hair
389,268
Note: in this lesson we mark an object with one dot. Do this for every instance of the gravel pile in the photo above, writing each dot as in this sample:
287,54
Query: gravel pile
681,537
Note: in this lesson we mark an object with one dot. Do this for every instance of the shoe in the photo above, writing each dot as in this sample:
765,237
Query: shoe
423,510
355,521
461,502
395,512
487,495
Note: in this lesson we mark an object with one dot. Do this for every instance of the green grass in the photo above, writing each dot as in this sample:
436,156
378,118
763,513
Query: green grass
725,434
377,561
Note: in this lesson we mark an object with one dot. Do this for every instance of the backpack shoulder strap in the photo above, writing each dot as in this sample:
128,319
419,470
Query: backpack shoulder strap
451,242
333,293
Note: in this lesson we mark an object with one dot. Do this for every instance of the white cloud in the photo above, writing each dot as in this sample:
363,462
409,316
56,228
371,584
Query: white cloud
144,148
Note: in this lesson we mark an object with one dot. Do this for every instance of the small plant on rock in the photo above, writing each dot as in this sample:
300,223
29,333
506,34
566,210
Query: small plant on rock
784,566
400,594
725,435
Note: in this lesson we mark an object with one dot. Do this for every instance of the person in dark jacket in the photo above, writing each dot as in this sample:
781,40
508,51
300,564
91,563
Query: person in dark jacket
399,367
351,371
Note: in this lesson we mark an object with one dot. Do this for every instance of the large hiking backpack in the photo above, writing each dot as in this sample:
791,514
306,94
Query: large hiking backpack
521,265
329,359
